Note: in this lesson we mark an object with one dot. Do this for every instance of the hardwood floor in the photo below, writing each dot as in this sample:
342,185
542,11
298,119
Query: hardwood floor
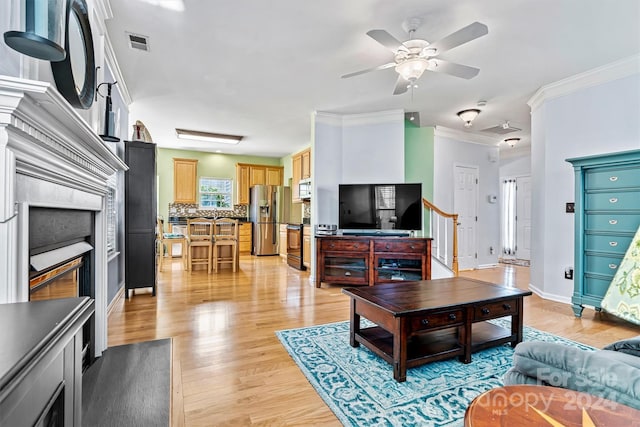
230,369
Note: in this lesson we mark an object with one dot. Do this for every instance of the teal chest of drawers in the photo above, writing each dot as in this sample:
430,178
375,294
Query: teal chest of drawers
607,215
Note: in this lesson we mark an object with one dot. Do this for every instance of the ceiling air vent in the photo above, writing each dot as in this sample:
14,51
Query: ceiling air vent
502,129
137,41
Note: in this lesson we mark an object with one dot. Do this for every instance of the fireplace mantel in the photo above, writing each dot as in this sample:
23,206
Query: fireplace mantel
49,157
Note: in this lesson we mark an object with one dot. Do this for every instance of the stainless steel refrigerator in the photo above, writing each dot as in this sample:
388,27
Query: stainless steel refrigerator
268,208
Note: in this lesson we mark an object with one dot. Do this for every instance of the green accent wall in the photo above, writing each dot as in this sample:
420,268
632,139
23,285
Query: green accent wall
418,161
214,165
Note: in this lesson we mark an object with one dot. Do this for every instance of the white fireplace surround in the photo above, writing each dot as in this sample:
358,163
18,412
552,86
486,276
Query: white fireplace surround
49,157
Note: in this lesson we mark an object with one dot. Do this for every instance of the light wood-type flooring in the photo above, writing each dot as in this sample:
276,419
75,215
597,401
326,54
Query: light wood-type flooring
229,369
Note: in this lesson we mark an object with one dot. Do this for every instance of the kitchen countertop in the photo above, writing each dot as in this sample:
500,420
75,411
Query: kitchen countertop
177,219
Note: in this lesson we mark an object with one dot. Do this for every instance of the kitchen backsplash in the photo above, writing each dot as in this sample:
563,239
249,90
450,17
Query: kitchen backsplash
191,210
306,212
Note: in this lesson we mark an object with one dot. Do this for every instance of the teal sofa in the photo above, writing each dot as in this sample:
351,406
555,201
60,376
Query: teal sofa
612,373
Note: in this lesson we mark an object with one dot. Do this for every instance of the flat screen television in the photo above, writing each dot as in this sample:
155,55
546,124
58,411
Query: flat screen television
385,207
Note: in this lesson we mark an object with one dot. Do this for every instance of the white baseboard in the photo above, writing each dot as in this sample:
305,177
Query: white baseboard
119,295
549,296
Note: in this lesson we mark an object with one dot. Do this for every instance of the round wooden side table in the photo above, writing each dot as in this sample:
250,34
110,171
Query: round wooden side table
532,405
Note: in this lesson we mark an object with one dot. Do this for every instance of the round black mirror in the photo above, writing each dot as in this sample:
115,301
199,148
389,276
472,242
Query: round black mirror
75,76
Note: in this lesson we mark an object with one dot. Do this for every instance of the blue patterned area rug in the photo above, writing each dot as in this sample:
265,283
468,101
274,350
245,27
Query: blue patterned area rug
359,387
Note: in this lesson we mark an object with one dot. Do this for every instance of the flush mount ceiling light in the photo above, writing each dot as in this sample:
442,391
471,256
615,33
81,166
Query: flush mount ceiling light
512,141
412,69
468,116
208,136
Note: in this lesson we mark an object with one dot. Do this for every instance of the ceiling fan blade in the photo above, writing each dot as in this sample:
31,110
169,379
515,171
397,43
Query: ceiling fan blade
458,70
401,86
380,67
385,39
462,36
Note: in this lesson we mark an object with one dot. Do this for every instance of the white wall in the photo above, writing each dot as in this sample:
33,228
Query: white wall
515,166
348,149
592,120
451,149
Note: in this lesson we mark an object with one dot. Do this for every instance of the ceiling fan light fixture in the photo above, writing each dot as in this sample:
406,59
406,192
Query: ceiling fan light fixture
512,141
208,136
468,116
412,69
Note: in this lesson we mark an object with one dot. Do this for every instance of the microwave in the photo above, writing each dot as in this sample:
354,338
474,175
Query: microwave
304,188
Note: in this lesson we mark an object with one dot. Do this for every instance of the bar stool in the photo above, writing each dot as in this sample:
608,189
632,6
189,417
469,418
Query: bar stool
226,235
200,235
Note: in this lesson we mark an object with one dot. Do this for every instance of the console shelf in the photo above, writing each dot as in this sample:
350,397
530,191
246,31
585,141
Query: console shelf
370,260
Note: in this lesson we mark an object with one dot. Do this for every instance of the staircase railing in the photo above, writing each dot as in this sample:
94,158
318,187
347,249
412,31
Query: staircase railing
444,231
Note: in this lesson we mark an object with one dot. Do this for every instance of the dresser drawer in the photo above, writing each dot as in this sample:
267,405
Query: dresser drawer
612,200
613,222
402,246
496,309
605,243
345,245
437,320
595,287
612,179
604,265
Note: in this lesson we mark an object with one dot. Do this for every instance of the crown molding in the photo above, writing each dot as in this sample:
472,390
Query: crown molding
389,116
606,73
112,62
474,138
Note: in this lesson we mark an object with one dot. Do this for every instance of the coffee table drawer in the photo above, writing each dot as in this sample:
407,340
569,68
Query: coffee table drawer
496,309
437,320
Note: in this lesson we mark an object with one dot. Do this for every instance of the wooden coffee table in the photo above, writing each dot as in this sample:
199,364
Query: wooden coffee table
429,320
533,405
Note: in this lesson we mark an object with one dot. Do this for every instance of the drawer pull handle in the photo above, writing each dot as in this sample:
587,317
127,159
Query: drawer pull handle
506,306
613,200
613,266
613,178
347,273
387,246
331,245
485,311
425,322
356,246
412,246
452,316
613,221
613,244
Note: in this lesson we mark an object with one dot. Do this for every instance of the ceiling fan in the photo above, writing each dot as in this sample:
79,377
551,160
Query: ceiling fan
414,56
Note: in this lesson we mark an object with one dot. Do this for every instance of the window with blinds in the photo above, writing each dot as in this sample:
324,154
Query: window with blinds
112,216
216,193
385,196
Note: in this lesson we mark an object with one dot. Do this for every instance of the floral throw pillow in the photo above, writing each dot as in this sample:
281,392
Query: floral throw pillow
623,296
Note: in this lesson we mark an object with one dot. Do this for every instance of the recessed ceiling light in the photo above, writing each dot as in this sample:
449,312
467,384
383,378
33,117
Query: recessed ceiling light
208,136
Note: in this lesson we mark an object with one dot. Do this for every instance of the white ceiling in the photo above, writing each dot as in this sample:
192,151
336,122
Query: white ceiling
260,68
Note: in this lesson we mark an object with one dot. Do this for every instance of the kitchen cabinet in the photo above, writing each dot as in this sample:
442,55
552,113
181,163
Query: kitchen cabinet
242,184
248,175
300,169
283,241
306,163
607,215
244,238
366,260
306,246
185,173
296,176
140,218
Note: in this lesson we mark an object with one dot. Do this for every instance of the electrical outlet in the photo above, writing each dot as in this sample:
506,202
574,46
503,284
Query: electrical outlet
491,250
568,273
570,207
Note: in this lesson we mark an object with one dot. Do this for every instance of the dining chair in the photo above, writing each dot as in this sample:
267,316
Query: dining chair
200,242
225,236
160,242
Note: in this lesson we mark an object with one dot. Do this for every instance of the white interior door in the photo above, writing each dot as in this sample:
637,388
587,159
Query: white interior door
523,217
465,203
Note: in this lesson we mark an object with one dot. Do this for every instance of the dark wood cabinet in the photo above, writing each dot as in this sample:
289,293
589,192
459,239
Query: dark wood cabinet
140,216
372,260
